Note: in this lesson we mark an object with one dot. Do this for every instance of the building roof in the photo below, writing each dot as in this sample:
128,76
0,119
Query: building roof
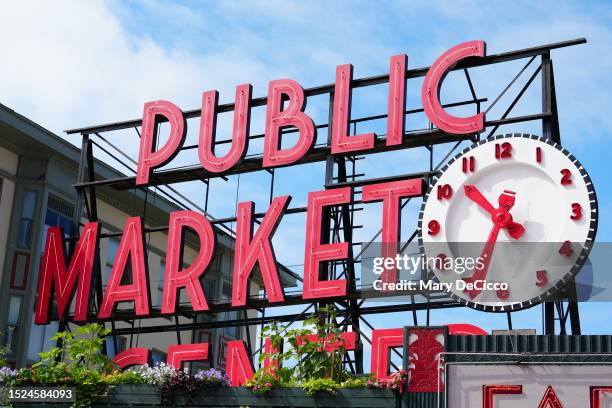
25,136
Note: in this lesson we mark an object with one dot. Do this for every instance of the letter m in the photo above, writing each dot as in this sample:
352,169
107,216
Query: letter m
55,277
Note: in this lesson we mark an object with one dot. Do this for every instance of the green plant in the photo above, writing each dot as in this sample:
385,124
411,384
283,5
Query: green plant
262,383
78,363
396,381
320,356
79,348
124,377
316,385
317,350
355,382
3,351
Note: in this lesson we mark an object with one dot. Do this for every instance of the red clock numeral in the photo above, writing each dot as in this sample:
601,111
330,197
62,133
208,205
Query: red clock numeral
576,212
468,164
566,178
539,154
433,227
503,294
566,249
541,278
445,192
440,262
503,151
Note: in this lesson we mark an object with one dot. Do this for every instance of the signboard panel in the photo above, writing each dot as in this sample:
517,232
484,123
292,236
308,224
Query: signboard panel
540,385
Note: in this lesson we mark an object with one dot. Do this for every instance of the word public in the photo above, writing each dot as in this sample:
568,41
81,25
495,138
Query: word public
60,280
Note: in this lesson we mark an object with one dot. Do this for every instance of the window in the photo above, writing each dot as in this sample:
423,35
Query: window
157,356
58,214
121,342
19,272
12,323
111,254
26,222
229,332
160,281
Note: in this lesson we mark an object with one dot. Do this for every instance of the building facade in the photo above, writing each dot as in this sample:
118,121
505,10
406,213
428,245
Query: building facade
37,171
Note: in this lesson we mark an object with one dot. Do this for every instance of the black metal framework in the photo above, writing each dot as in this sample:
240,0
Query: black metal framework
339,222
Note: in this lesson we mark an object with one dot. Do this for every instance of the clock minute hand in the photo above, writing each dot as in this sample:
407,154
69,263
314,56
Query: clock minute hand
472,192
480,273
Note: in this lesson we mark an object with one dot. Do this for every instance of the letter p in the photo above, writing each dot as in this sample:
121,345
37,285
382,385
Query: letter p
148,157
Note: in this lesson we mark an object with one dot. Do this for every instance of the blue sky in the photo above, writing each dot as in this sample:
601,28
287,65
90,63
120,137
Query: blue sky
67,64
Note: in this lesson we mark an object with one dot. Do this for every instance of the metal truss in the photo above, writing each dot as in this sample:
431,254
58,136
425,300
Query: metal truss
339,222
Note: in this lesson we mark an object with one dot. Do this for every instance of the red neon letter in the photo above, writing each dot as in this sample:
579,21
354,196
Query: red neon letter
238,365
595,395
316,252
271,364
149,159
177,353
259,249
347,340
397,100
190,276
382,341
341,142
550,399
54,275
278,119
431,90
208,130
490,391
390,194
132,356
462,329
132,247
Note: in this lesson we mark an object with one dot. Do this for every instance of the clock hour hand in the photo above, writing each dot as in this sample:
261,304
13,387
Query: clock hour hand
506,202
515,230
472,192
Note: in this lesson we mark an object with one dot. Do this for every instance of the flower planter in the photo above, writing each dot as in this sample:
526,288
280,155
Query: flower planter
149,396
289,397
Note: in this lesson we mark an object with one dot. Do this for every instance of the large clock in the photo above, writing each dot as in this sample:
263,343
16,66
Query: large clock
518,211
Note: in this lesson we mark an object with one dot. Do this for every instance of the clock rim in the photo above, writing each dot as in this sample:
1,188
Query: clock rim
580,260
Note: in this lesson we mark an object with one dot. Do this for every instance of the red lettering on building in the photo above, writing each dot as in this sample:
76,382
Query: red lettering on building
238,365
391,194
382,342
148,158
396,106
278,119
341,142
317,252
257,249
490,391
54,275
240,130
130,248
189,278
431,90
178,353
132,356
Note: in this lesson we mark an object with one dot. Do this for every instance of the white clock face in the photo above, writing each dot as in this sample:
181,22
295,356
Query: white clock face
522,208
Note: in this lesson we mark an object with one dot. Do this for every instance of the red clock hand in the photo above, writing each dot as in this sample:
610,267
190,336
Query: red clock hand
501,219
506,202
501,215
480,273
515,230
472,192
